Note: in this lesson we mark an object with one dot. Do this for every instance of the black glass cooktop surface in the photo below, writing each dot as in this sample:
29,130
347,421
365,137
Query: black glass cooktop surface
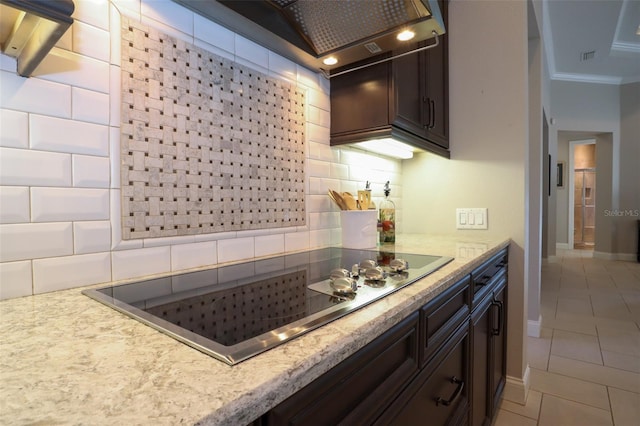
237,311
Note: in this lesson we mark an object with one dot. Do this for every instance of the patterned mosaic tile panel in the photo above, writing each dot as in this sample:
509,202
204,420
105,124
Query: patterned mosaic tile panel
207,145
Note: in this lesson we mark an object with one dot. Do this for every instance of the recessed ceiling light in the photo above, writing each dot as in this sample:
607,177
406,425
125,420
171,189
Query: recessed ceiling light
331,60
406,35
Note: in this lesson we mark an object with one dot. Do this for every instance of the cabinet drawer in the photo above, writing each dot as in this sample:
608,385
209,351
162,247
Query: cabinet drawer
358,389
483,275
439,395
441,316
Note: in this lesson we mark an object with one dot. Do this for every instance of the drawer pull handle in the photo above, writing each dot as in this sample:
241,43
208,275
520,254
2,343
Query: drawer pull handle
497,330
484,280
456,394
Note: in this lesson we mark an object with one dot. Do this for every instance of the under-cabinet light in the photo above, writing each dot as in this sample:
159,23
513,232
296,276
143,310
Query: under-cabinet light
406,35
389,147
331,60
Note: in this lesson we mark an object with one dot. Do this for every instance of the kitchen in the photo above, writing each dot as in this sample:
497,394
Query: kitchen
66,217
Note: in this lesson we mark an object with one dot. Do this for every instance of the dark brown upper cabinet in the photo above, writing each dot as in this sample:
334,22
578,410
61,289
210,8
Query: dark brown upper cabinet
406,98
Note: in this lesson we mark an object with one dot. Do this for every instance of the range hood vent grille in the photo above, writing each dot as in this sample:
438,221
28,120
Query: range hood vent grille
312,31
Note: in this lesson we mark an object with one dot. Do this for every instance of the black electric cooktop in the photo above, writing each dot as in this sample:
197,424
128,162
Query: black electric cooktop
235,312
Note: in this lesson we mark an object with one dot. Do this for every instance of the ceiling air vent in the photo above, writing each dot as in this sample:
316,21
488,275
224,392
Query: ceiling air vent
586,56
373,47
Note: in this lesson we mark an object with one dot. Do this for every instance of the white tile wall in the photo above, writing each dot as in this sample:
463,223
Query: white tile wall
14,128
140,262
60,161
24,167
15,279
35,240
60,273
187,256
56,134
59,204
91,237
90,172
14,204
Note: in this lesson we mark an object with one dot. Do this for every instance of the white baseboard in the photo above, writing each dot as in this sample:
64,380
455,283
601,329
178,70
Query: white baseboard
626,257
562,246
516,389
533,327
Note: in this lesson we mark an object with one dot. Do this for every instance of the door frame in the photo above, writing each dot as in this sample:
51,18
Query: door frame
571,183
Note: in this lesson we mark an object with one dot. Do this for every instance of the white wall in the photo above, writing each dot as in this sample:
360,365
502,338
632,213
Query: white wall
610,114
488,109
59,166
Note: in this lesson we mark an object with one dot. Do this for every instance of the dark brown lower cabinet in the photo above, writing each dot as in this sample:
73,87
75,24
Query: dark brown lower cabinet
488,371
442,365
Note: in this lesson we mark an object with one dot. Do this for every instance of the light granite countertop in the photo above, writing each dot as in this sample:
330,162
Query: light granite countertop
68,359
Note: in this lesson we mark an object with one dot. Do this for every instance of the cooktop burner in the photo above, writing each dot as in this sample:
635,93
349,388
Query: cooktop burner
235,312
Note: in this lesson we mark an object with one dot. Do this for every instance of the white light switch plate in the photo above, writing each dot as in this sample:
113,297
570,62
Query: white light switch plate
471,218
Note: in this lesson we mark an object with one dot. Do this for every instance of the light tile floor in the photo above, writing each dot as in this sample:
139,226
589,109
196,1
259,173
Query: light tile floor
585,367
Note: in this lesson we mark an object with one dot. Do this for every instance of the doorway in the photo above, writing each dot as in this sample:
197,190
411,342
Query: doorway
584,208
582,184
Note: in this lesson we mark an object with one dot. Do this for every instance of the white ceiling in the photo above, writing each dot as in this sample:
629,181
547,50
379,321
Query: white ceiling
607,27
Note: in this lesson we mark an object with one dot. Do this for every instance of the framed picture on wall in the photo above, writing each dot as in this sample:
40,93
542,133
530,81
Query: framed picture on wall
560,174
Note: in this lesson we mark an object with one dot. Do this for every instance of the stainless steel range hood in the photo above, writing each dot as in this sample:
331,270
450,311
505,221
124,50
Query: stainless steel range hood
30,28
310,31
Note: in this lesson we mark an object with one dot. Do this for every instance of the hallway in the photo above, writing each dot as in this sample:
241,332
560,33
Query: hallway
585,368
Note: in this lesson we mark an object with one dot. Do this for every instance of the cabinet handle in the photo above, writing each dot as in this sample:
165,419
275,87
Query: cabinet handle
426,100
497,330
484,280
432,110
456,394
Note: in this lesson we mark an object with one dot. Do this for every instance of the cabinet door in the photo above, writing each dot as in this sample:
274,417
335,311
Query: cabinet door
498,344
480,336
436,91
439,394
408,87
358,389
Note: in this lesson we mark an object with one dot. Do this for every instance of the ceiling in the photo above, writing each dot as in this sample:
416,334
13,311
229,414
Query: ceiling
608,28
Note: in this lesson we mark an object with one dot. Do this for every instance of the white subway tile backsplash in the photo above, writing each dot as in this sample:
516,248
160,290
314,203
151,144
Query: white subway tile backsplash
15,279
213,34
339,171
26,167
282,66
214,49
236,249
318,168
14,129
308,78
71,68
114,157
129,8
115,36
94,13
320,186
252,52
56,134
91,237
90,171
318,116
319,99
35,240
115,99
61,273
68,204
140,262
89,106
320,238
168,241
317,133
296,241
319,203
267,245
170,14
14,204
34,95
320,151
187,256
92,41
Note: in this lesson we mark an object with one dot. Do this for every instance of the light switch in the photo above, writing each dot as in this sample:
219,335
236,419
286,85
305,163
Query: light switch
471,218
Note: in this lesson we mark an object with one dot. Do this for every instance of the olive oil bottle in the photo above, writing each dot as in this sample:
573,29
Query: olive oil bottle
387,218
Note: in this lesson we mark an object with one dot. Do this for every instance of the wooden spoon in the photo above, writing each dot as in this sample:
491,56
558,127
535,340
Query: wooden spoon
351,202
337,199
